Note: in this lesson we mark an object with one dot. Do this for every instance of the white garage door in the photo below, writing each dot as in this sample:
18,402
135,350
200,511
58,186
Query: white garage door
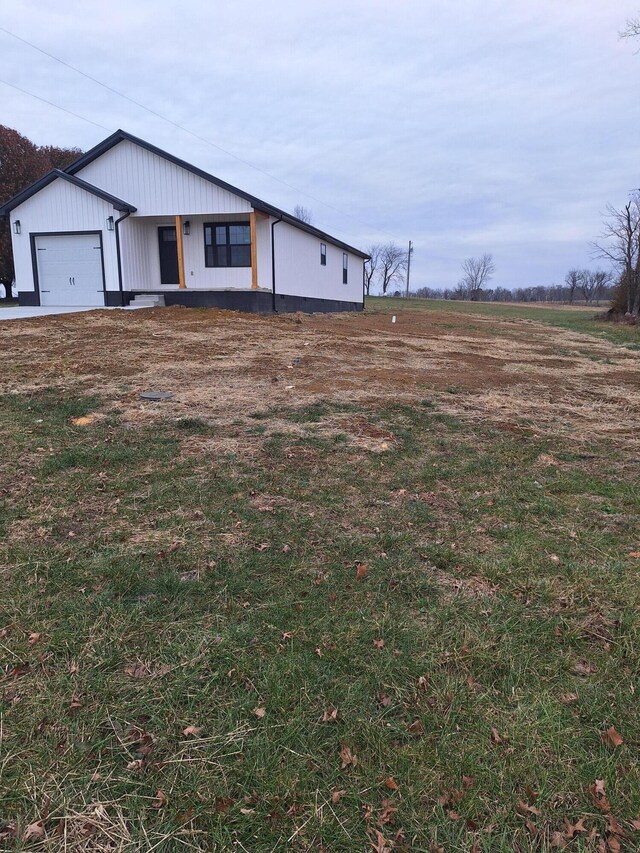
70,269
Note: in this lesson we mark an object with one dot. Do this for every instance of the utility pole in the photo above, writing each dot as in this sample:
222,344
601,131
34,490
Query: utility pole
409,264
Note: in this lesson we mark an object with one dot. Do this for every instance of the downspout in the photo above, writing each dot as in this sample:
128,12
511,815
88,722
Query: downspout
273,265
116,223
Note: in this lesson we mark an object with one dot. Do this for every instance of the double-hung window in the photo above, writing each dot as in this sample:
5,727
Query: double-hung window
323,254
345,267
227,244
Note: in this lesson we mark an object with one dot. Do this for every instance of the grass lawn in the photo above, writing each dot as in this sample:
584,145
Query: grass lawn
384,597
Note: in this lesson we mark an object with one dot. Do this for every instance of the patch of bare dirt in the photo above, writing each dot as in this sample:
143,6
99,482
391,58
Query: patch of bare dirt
225,366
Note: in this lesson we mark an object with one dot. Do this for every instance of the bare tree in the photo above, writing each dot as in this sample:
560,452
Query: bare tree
632,30
572,280
477,272
593,283
302,213
622,247
393,262
372,265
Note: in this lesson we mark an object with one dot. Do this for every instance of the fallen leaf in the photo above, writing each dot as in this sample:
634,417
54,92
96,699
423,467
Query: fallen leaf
384,700
614,844
523,808
337,795
568,698
192,731
262,546
423,683
391,784
136,764
287,635
416,728
34,638
137,670
635,555
260,712
379,644
34,830
223,804
572,829
84,420
584,667
247,811
598,796
554,558
361,571
75,703
388,813
330,715
160,800
496,737
454,815
74,668
614,826
611,737
635,823
347,757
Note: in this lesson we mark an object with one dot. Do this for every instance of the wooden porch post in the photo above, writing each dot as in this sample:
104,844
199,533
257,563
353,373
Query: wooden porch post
181,278
254,251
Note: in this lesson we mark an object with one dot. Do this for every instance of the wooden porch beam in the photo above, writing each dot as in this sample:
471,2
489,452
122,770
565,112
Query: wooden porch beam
181,277
254,251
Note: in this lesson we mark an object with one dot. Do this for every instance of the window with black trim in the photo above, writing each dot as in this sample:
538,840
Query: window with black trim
345,262
323,254
227,244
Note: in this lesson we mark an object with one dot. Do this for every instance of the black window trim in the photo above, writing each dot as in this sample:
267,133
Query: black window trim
226,224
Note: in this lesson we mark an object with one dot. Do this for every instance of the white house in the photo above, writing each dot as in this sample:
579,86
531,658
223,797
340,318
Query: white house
127,219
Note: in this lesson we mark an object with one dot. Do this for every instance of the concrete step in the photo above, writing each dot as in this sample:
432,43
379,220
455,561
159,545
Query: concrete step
147,300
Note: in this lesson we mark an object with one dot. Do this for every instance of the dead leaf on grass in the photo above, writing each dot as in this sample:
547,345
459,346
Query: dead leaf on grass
192,731
391,784
361,571
34,638
160,800
330,715
523,808
379,644
611,737
259,712
416,728
337,795
348,758
496,737
34,830
83,420
584,668
568,698
599,797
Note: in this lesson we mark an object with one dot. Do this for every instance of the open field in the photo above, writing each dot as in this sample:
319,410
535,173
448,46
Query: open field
357,586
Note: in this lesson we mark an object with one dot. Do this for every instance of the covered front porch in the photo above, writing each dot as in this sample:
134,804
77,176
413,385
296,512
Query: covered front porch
186,256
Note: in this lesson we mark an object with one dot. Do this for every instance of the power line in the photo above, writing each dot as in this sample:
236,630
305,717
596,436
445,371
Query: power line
51,104
175,124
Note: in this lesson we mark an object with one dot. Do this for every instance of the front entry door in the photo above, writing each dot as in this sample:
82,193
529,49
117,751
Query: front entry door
168,255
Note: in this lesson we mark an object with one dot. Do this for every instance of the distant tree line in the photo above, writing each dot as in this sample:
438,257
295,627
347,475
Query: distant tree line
21,163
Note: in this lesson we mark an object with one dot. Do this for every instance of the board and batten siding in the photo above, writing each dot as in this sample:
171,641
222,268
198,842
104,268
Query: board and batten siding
156,186
300,273
61,206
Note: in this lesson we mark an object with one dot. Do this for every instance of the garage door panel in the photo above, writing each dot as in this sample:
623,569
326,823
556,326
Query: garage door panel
70,270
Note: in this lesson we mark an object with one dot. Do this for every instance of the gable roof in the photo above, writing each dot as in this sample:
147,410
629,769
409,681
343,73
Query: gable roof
121,135
51,176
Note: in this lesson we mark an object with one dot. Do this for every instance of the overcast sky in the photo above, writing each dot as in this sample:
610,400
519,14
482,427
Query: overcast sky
470,127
